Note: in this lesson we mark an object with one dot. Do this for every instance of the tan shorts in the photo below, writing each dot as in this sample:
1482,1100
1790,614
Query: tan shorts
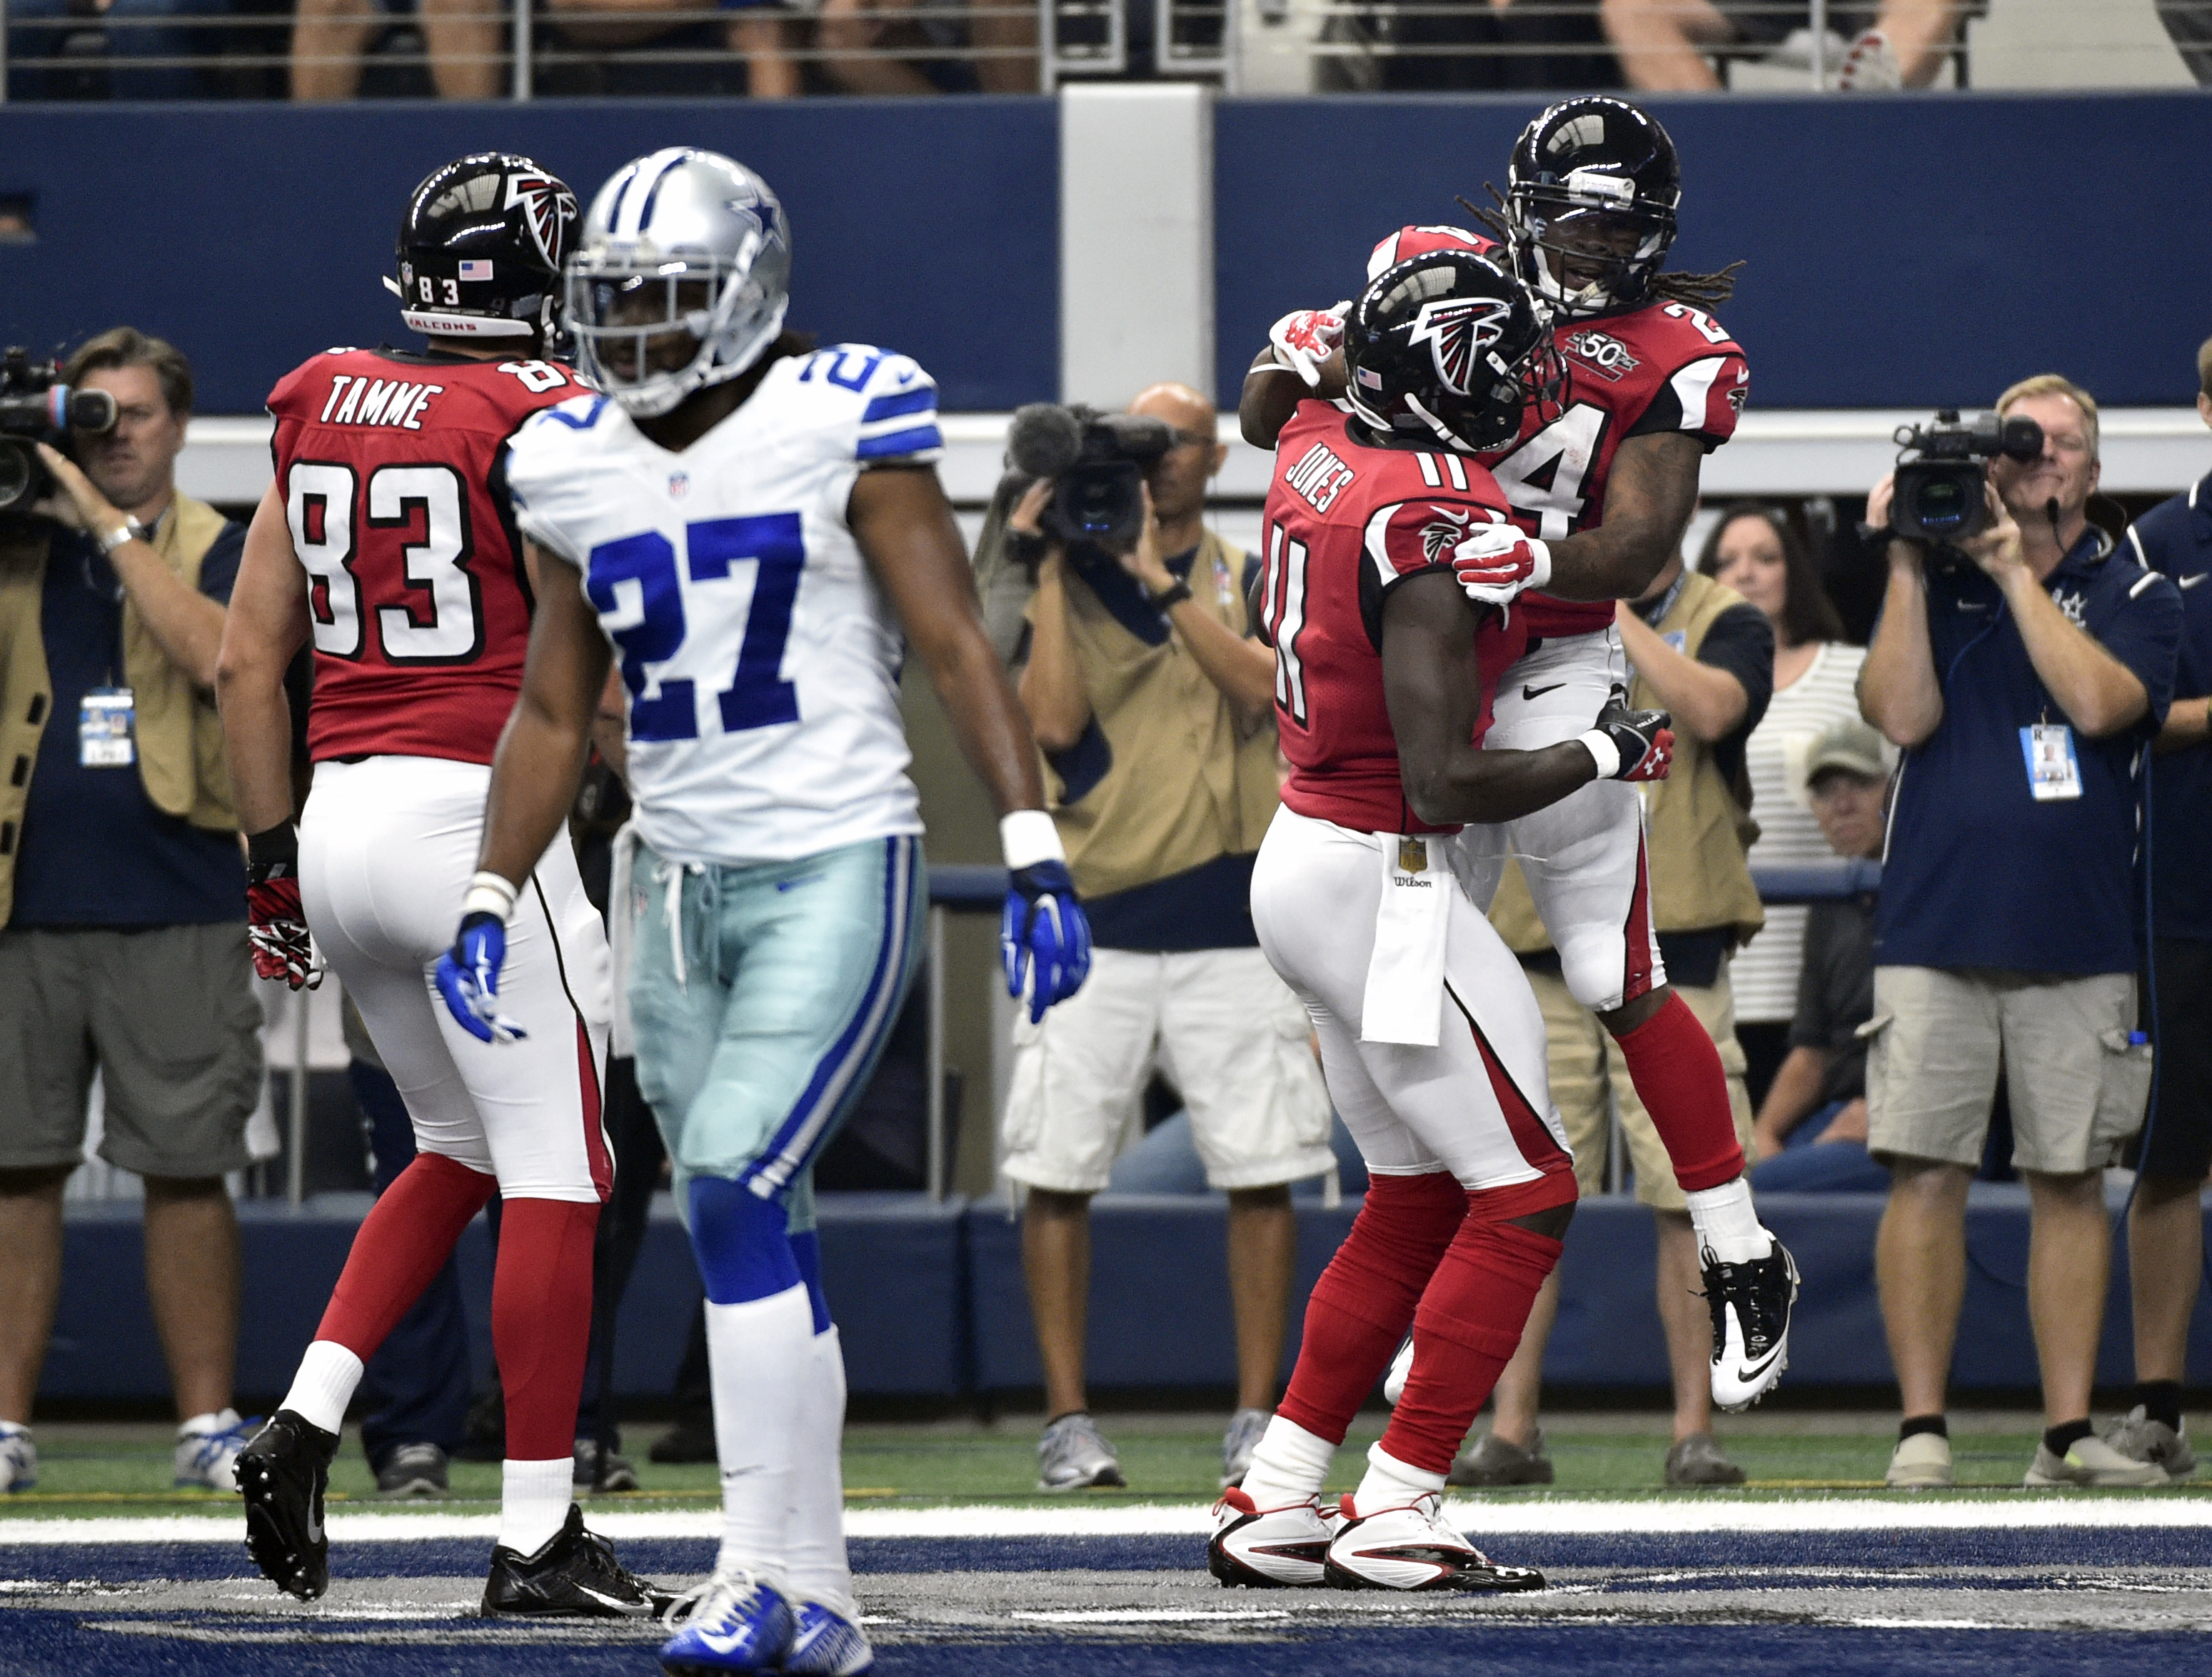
168,1016
1217,1024
1588,1068
2076,1087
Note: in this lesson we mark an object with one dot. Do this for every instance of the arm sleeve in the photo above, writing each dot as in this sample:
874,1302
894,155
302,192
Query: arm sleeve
1704,397
538,485
1741,642
898,415
2144,633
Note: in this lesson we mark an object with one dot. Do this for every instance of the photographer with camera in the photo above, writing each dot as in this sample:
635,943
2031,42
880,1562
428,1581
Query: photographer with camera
1154,707
122,884
2023,667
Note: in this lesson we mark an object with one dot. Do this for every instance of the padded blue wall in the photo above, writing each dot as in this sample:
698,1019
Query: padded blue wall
1902,251
254,235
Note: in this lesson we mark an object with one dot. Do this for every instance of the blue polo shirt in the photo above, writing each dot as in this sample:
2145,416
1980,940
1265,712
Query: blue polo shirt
1977,873
2175,539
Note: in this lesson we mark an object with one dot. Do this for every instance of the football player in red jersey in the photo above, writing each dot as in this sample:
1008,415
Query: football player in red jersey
1601,485
388,537
1431,1038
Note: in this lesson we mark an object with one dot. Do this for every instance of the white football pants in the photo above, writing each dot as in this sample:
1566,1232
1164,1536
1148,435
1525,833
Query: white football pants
387,847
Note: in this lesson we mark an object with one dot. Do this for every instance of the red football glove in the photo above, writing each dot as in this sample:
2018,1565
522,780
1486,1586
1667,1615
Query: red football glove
1306,338
276,924
1631,744
1498,561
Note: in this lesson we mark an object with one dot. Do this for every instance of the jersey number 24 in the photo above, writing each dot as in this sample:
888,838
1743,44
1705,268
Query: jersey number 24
634,585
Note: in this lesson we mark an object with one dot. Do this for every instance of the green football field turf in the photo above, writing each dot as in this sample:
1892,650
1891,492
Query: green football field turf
111,1469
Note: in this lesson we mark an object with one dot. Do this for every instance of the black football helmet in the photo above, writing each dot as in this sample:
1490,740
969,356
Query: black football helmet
1598,166
1446,348
481,248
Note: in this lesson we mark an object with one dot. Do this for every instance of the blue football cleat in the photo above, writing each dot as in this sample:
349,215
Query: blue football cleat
826,1643
733,1622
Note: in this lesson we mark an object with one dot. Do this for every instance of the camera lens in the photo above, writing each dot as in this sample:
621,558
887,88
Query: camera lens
15,474
1941,504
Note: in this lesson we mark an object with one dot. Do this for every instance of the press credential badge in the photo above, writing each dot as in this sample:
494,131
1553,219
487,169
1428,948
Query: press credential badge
2053,770
107,731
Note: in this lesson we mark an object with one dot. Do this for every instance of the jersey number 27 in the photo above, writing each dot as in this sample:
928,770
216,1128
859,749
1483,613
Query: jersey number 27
634,585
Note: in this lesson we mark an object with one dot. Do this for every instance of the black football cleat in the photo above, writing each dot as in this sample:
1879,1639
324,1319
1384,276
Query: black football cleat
282,1472
1750,1305
574,1576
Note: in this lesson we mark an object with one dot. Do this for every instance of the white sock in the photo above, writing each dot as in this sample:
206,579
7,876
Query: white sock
1289,1465
324,1385
758,1354
1389,1483
216,1420
533,1502
1728,1225
815,1542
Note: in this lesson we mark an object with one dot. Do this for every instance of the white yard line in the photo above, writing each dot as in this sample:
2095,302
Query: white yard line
1534,1516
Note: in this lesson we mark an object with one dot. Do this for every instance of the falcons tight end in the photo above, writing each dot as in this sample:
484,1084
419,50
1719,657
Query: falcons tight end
1431,1041
385,537
1601,484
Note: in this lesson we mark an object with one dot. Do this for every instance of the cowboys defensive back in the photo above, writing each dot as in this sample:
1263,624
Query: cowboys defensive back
752,524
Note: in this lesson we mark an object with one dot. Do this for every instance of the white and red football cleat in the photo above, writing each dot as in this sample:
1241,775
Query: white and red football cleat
1413,1547
1269,1548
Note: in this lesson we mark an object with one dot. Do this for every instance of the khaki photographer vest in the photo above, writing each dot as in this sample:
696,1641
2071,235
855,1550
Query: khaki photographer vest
180,757
1186,783
1697,827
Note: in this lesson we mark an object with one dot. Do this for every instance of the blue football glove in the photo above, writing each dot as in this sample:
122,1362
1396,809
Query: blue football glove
1044,924
468,978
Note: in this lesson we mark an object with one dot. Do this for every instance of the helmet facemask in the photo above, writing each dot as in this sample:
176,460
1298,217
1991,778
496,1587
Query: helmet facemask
1584,258
626,302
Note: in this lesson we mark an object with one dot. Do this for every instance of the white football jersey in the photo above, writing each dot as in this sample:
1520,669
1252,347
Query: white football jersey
762,659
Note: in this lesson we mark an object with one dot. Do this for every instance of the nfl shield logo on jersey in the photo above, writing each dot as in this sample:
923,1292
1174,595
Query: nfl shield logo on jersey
679,484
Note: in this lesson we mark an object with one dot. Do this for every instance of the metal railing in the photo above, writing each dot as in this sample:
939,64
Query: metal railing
472,48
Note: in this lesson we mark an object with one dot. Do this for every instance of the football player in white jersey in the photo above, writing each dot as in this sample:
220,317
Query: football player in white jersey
752,524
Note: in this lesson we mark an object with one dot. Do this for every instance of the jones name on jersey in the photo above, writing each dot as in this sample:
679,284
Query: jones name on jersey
760,658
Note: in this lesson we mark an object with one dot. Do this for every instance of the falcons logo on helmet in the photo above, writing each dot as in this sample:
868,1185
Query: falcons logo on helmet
547,206
1457,329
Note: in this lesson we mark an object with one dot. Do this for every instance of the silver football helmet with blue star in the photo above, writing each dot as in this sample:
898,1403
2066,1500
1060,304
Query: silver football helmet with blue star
680,279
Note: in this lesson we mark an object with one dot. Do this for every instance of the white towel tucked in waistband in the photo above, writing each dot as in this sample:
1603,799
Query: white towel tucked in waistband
1405,999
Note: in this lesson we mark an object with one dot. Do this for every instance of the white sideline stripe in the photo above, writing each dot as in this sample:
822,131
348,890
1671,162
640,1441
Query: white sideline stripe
1532,1518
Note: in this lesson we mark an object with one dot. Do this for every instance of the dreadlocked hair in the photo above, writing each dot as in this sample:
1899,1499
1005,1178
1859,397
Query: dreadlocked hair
1669,285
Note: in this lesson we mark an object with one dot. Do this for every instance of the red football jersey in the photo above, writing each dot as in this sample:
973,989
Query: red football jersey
391,465
1659,366
1344,525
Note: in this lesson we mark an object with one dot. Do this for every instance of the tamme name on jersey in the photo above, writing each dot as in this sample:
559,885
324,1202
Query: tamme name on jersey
403,404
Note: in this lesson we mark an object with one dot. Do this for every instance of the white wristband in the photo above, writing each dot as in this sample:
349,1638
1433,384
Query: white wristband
1027,837
1602,750
490,893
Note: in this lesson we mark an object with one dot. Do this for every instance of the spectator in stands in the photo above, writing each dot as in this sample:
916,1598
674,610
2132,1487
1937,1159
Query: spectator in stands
1762,553
879,46
465,40
757,32
136,31
1155,709
1664,45
2166,1224
123,894
1819,1093
2022,687
1698,650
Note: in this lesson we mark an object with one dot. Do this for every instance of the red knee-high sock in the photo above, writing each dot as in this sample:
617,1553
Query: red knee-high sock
1677,1071
1465,1330
541,1321
1364,1300
402,1243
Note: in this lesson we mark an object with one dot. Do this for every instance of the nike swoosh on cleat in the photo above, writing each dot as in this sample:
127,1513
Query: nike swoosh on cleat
1539,692
1753,1371
627,1609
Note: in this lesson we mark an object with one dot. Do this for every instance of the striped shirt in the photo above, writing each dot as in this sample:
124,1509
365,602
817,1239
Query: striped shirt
1764,972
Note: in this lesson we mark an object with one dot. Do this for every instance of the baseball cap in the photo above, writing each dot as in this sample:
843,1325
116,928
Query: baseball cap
1850,743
